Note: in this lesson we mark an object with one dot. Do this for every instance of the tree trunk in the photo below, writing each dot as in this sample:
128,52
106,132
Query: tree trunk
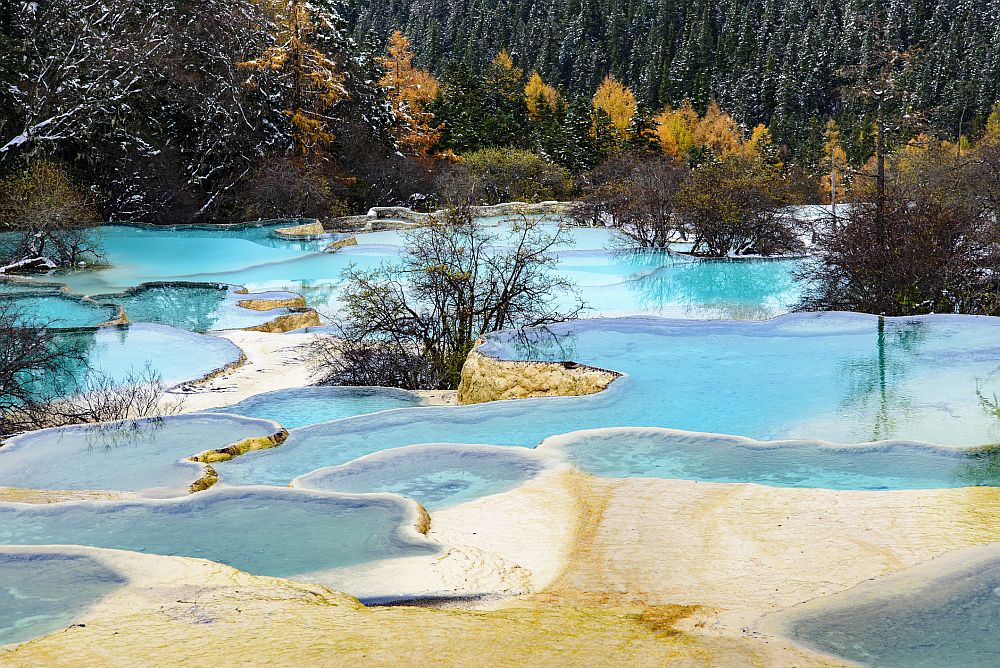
880,176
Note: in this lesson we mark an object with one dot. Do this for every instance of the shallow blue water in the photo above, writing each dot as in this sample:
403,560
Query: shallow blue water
845,378
304,406
436,476
135,455
43,592
61,311
649,453
305,531
193,306
177,355
935,614
139,254
610,283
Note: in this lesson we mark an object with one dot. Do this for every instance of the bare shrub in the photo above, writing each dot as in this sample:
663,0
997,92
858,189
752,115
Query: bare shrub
494,175
413,322
48,218
637,197
734,207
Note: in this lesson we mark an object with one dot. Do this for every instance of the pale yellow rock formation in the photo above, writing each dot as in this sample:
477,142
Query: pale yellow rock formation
120,319
341,243
267,304
179,611
312,229
748,549
289,322
23,495
487,379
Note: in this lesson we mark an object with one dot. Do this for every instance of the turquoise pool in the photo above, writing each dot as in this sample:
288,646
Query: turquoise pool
945,612
198,307
845,378
665,453
41,592
436,476
53,309
263,530
304,406
176,354
147,456
610,283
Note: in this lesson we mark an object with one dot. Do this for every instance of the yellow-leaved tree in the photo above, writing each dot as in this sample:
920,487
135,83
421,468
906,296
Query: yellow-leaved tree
312,78
675,129
760,147
410,90
539,96
718,132
618,102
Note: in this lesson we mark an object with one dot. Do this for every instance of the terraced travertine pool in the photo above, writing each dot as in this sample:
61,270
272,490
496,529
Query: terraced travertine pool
42,592
836,401
611,282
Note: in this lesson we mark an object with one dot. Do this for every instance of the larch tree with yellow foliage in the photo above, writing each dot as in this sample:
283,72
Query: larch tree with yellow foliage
718,133
305,59
760,147
540,96
675,129
410,90
617,101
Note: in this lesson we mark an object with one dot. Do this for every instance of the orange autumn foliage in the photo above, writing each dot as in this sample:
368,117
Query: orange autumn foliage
410,91
315,80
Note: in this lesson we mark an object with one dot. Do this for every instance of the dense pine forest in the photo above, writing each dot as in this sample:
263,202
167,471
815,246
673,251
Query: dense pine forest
168,111
789,64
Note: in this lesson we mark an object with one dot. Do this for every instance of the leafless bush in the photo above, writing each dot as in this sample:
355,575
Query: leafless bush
47,220
412,323
44,381
101,398
287,188
352,360
637,196
735,207
32,363
494,175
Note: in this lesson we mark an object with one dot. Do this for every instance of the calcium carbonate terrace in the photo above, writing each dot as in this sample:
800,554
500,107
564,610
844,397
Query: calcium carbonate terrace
718,384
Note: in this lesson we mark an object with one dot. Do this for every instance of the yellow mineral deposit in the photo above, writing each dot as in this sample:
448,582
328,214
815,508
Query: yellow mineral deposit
488,379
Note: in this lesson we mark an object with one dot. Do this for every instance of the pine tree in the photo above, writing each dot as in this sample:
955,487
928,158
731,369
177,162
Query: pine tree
303,59
411,91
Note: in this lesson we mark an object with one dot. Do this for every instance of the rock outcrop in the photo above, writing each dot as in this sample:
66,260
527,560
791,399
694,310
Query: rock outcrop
488,379
341,243
289,322
312,229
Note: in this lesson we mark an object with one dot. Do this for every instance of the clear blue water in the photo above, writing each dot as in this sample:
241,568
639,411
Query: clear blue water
57,310
656,453
178,355
140,254
436,476
148,456
14,287
935,614
670,285
266,531
845,378
42,592
611,283
196,307
304,406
